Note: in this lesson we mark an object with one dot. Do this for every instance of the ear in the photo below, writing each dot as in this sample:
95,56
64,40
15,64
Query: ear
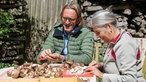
110,27
79,20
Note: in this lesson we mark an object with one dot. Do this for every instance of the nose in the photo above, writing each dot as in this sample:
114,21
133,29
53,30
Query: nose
67,21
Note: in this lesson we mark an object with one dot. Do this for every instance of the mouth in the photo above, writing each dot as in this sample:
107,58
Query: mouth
67,26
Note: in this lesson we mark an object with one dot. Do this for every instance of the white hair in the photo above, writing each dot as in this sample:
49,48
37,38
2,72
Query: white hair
103,17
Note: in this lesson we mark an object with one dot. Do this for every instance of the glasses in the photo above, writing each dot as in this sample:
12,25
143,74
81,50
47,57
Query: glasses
69,19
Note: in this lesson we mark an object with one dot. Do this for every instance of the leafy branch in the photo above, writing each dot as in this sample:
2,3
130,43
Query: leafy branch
7,23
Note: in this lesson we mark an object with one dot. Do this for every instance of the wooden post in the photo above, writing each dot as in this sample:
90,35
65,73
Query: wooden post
97,45
144,66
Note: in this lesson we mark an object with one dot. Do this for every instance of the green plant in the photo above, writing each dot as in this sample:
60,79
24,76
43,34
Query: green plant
100,58
5,65
145,75
99,80
7,24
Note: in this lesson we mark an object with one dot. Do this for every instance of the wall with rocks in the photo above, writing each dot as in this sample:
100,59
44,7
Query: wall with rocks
129,16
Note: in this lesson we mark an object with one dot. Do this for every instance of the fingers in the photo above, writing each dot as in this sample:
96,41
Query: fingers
44,54
55,57
93,63
100,65
48,51
94,71
96,64
89,69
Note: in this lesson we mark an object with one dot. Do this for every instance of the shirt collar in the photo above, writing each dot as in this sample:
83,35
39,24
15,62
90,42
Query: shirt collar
73,31
115,40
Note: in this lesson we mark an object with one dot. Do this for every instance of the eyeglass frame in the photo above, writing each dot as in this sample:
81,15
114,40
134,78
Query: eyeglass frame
69,19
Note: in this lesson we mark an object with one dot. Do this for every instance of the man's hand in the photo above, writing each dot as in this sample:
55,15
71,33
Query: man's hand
55,57
44,54
48,55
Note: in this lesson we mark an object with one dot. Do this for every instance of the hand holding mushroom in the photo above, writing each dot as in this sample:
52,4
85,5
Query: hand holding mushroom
94,67
48,55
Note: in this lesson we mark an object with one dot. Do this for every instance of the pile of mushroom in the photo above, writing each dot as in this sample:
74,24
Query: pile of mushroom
45,70
29,70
